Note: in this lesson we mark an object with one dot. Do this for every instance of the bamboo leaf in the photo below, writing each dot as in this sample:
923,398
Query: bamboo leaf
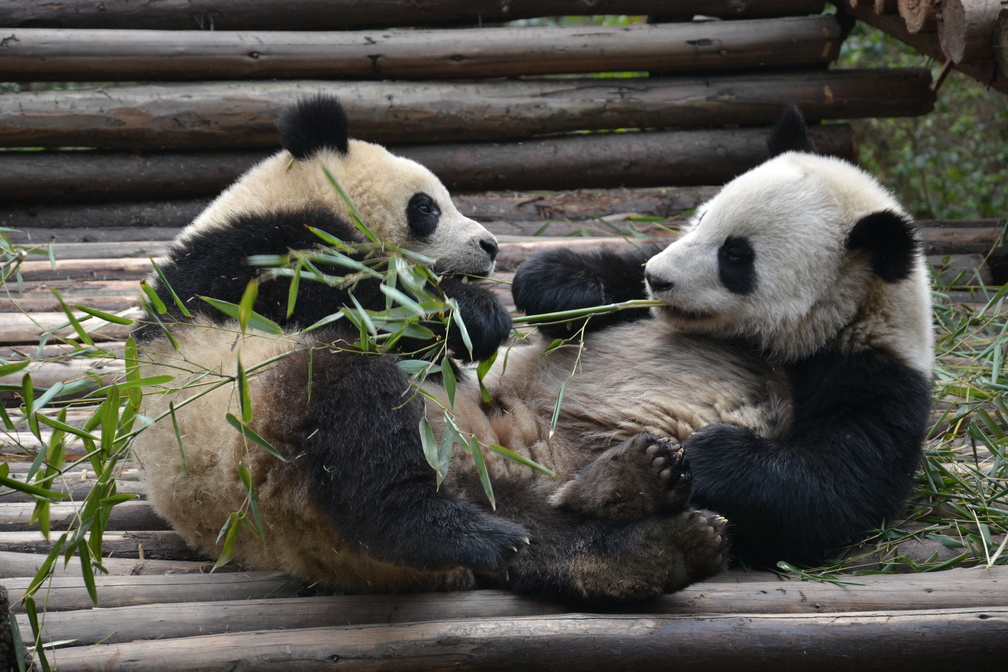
247,304
108,317
251,435
244,396
431,449
167,285
520,459
448,379
255,320
481,469
230,534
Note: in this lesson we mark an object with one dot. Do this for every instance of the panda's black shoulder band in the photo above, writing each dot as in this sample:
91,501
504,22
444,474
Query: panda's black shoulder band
789,134
313,124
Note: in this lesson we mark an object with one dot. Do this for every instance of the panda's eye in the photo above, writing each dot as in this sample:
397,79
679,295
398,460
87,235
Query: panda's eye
736,265
422,214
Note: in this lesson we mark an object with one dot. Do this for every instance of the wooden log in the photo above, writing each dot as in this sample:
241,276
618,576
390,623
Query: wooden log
601,160
121,228
966,28
156,544
598,160
954,589
883,640
1001,40
344,14
42,54
986,73
134,515
919,15
27,565
76,484
208,115
20,328
885,6
70,592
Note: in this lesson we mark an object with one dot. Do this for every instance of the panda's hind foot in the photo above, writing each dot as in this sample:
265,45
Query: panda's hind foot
698,544
642,476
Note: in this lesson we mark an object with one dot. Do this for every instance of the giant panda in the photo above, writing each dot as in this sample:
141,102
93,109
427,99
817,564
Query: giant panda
351,502
806,272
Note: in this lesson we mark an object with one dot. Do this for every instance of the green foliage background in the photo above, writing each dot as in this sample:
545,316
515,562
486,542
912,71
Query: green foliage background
950,164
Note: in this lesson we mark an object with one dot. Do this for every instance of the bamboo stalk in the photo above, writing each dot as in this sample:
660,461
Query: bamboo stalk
34,54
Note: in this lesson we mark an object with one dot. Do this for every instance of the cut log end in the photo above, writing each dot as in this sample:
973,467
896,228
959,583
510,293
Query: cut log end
966,29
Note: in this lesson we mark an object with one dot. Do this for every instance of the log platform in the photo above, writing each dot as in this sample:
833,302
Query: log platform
571,134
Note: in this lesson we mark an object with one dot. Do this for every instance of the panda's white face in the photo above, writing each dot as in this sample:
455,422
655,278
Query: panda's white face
770,259
401,201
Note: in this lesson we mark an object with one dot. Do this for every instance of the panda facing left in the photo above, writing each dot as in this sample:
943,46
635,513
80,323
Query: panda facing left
353,505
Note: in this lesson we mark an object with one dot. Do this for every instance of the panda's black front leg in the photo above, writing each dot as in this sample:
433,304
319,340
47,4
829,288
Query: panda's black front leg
359,433
486,320
846,464
563,279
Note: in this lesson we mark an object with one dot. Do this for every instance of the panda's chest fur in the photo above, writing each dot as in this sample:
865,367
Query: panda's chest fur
622,381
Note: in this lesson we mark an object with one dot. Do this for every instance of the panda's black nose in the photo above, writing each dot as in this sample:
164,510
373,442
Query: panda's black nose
656,283
489,246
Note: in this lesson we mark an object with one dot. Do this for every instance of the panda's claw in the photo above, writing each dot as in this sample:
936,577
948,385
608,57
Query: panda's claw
642,476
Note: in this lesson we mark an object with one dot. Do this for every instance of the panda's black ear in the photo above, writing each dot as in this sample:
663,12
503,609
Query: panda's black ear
313,124
892,240
789,134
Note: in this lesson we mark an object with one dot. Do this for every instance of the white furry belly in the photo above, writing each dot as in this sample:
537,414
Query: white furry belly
630,379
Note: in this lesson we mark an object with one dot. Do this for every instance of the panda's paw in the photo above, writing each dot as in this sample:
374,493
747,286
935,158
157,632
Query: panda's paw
642,476
697,547
491,545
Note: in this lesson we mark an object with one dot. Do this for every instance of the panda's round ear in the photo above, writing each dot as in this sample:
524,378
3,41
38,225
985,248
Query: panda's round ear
892,240
313,124
789,134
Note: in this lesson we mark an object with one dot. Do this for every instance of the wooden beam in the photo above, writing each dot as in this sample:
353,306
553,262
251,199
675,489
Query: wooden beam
126,227
955,589
966,29
217,115
599,160
883,640
37,54
345,14
919,15
927,43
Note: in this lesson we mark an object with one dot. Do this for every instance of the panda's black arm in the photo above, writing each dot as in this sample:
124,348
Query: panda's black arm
564,279
859,423
360,442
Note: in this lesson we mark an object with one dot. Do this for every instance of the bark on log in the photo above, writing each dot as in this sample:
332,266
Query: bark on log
42,54
26,565
157,545
599,160
885,6
344,14
966,29
65,593
949,590
1001,40
884,640
134,515
986,73
919,15
212,115
74,231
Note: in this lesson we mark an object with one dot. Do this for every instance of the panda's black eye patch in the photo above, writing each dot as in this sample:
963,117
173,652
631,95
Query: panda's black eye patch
422,214
737,265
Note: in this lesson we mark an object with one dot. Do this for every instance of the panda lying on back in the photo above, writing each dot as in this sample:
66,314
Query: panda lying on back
809,264
354,505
